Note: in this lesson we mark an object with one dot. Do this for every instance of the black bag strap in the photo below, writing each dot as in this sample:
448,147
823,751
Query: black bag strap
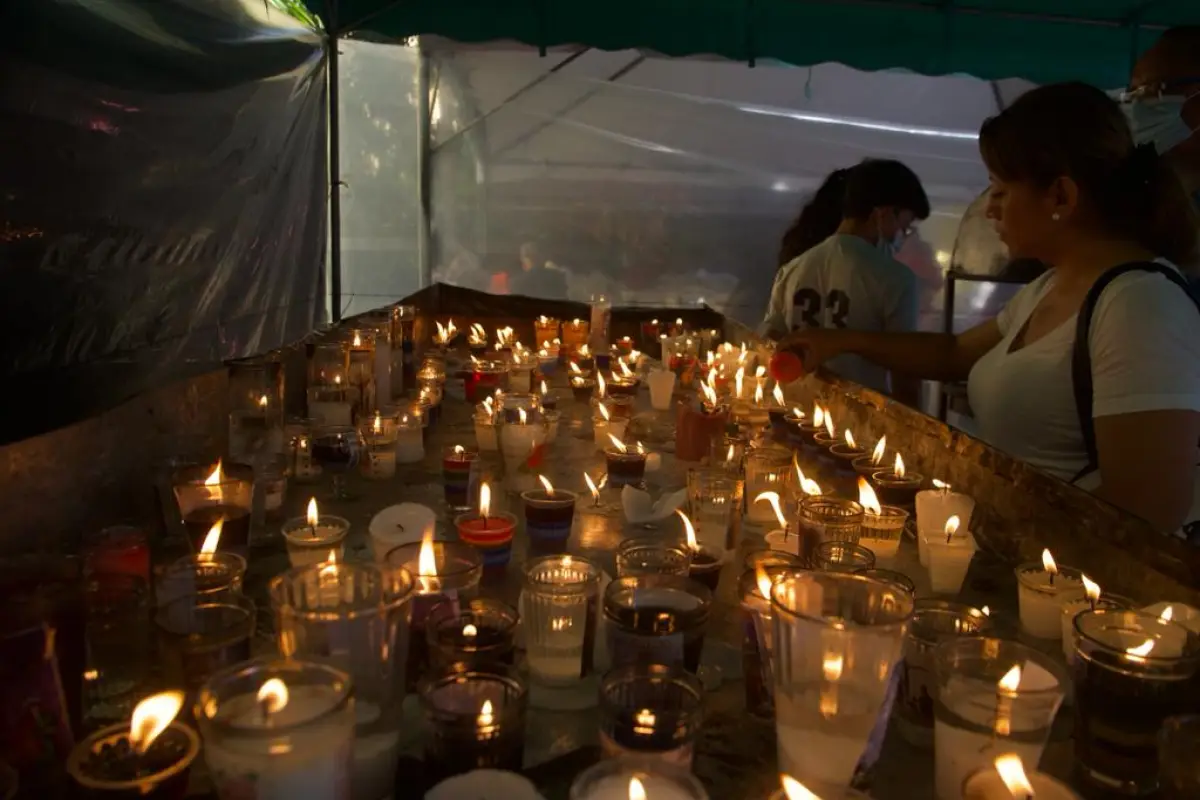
1081,356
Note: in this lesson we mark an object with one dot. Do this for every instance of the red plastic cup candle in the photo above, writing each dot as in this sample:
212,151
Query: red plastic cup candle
626,465
549,514
118,550
490,534
148,758
697,426
705,566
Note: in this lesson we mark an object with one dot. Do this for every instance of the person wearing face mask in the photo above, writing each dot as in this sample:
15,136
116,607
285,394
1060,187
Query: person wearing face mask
1162,102
1091,373
851,280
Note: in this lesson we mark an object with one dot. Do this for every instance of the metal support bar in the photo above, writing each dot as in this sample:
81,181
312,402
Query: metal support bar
424,168
335,168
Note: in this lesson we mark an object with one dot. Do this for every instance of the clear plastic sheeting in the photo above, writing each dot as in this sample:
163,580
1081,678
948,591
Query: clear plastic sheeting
670,182
162,188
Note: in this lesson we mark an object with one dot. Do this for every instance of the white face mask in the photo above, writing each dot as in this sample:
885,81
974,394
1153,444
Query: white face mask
1157,120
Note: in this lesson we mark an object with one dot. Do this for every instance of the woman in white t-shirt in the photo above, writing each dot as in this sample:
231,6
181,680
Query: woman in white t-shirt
1069,188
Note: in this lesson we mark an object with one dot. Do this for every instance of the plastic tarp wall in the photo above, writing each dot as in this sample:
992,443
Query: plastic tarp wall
162,188
671,181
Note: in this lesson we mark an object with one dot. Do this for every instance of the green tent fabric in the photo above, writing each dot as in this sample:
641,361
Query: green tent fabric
1040,40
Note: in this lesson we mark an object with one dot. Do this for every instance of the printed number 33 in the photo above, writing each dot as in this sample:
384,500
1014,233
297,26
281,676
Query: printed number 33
809,304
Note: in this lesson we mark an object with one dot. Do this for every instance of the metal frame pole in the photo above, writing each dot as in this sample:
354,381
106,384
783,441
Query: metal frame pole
425,166
335,167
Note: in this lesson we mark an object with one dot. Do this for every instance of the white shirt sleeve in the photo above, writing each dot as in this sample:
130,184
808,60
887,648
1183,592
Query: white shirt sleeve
776,317
1145,347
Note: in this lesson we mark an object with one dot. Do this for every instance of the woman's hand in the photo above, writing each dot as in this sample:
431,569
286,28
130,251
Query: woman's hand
815,346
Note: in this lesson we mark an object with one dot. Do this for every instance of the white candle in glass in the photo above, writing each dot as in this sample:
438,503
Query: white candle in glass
603,424
934,507
662,384
518,441
485,427
310,538
375,756
410,440
397,525
1007,780
950,557
1041,594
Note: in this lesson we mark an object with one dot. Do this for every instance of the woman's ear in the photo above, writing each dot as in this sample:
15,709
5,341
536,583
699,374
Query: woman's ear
1064,198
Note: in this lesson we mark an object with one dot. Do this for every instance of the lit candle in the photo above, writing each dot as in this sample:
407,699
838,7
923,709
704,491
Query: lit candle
549,515
882,525
705,565
950,557
1073,608
311,537
626,465
489,533
780,538
935,506
397,525
522,443
1007,780
898,486
1042,592
605,426
636,778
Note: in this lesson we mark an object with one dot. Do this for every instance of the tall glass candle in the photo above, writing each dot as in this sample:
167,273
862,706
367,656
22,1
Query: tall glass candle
199,635
460,477
934,507
650,710
559,611
278,729
218,493
657,619
713,503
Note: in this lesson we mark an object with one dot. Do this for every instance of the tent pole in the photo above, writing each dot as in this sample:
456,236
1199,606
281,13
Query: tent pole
335,169
425,166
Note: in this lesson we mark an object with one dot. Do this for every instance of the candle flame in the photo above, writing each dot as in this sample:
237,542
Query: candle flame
1090,588
880,449
273,695
1011,679
549,486
738,377
761,372
797,413
1167,614
215,478
641,448
151,717
763,580
850,439
758,394
818,416
575,368
625,371
262,401
485,505
603,409
689,531
832,665
867,498
545,389
898,468
591,486
601,386
1012,772
987,612
945,487
331,560
487,718
377,426
212,539
470,630
337,379
729,453
459,449
773,499
1141,651
829,425
636,790
311,515
357,339
795,790
952,525
426,560
1048,562
777,393
618,444
522,416
710,394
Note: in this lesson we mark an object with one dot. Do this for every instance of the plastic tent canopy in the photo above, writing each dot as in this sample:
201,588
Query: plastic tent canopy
1041,40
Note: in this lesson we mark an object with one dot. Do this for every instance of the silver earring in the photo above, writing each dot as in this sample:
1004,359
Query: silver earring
1055,216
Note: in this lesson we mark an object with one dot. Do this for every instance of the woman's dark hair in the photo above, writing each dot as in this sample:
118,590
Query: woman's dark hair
818,220
1076,131
882,183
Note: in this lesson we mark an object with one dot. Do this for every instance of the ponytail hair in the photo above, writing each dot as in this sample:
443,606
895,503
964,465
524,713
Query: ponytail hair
1076,131
818,220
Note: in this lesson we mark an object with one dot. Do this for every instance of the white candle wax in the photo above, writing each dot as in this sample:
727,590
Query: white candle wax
554,650
617,788
330,412
375,755
601,428
313,762
1072,609
485,784
884,549
485,435
961,750
1041,600
311,544
410,445
825,748
988,785
934,507
949,561
782,540
662,384
399,524
517,442
1181,613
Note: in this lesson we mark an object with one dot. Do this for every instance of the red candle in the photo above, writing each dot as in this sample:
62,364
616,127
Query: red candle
695,430
490,534
119,550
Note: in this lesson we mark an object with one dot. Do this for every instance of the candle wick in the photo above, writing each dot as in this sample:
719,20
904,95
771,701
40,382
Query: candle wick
265,707
1051,578
401,527
312,530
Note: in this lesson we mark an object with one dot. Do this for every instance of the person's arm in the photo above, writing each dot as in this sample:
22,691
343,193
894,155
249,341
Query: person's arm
901,317
923,356
1145,349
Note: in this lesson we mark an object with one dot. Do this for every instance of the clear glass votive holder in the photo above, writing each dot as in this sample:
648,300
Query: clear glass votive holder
758,634
650,710
770,558
1179,757
713,501
767,470
545,331
311,544
838,637
1132,670
117,550
202,574
656,619
219,492
381,449
301,749
612,779
652,555
843,557
478,633
354,617
976,718
199,635
338,449
826,519
549,517
255,407
900,580
559,612
1073,608
881,533
934,507
625,468
458,569
474,720
933,622
1041,596
105,764
301,468
118,643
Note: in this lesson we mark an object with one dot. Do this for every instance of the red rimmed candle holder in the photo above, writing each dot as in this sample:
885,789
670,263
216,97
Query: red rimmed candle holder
459,466
491,535
897,490
484,378
548,520
104,766
625,468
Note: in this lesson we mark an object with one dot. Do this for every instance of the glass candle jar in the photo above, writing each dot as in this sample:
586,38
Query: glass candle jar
105,764
659,619
478,634
403,337
301,468
381,447
881,533
221,493
545,331
255,408
360,370
896,489
460,477
339,450
934,507
521,431
201,574
1041,594
409,441
652,555
559,612
656,779
483,378
199,635
824,519
575,336
117,550
897,579
713,500
474,720
767,470
549,516
626,467
754,593
843,557
485,429
302,748
650,710
311,542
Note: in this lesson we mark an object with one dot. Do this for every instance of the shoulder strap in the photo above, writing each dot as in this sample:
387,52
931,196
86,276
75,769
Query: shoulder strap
1081,357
